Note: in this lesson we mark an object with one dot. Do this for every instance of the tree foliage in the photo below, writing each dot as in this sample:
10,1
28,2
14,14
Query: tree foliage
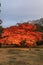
1,29
39,28
0,21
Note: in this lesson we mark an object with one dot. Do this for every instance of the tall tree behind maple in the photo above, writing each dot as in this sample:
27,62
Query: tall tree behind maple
1,28
0,21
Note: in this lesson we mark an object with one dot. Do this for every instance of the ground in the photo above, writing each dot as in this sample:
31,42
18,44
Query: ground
21,56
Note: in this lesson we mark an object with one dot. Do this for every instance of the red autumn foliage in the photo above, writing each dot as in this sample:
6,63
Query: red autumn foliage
15,34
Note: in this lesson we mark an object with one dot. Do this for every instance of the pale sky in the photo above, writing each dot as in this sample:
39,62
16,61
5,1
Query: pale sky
15,11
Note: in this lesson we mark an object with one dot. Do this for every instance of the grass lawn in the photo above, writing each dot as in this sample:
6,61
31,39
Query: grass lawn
21,56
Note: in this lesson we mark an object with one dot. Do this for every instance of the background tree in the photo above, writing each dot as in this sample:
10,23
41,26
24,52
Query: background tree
39,28
0,21
1,28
